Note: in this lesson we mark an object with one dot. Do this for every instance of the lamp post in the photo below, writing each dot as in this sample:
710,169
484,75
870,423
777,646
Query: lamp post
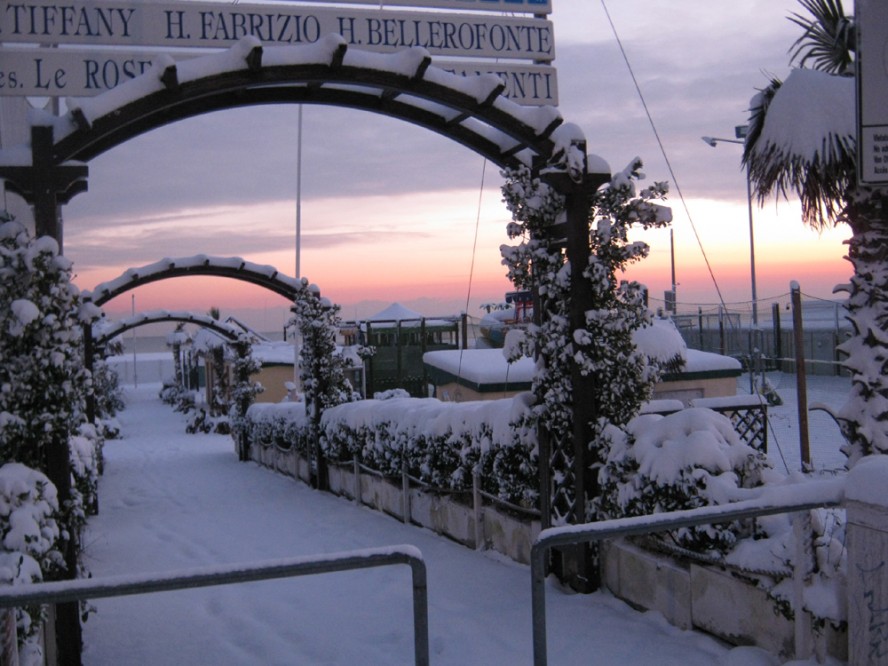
740,132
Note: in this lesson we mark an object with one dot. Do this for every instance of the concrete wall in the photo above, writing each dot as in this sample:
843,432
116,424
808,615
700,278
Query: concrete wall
710,599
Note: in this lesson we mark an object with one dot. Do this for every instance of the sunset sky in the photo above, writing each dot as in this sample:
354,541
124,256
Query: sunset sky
389,210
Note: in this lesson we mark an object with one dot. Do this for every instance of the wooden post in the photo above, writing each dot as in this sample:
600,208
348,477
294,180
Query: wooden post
778,335
581,562
368,365
700,327
801,377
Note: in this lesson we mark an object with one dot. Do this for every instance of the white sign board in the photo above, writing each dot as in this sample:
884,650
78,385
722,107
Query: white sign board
527,6
872,91
132,23
74,72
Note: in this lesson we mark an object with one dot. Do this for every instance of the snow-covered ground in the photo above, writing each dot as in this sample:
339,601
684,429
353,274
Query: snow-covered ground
171,501
823,433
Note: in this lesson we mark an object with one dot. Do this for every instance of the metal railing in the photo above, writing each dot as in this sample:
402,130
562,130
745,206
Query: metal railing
813,495
124,585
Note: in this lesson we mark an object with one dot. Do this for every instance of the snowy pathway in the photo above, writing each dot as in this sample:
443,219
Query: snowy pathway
170,501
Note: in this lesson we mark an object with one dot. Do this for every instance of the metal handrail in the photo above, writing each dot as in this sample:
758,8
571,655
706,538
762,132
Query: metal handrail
812,495
124,585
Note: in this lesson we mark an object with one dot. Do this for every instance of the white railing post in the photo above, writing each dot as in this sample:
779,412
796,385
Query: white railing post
802,625
9,639
477,509
357,465
405,488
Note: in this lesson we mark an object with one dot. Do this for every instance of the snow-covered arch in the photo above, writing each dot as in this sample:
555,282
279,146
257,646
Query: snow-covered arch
404,85
108,333
236,268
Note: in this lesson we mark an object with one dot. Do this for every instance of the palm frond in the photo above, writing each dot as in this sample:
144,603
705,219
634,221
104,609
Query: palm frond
828,38
821,181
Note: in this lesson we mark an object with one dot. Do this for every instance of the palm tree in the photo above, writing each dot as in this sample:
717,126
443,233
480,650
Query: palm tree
801,138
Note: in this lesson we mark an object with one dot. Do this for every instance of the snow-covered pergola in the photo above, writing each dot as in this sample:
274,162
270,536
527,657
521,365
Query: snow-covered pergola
121,326
405,85
235,268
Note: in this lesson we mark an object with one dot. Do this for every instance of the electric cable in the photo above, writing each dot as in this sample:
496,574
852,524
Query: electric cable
474,253
662,150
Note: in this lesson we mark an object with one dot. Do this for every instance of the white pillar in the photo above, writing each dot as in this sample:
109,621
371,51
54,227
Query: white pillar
867,541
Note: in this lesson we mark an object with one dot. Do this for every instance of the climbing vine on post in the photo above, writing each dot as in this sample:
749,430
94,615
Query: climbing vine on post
322,370
603,347
244,391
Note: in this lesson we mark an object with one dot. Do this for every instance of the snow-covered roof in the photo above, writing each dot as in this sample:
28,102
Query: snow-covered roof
661,340
480,367
270,352
400,314
394,312
701,361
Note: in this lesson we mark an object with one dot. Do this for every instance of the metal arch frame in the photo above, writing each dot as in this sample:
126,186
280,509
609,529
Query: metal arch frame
334,83
243,273
124,325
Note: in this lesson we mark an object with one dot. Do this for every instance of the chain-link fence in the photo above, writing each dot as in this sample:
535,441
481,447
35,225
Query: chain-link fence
765,334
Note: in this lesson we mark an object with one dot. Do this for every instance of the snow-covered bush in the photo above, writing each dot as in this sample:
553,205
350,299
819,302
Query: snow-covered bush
29,537
86,456
685,460
322,369
108,392
283,425
44,383
200,419
774,550
43,380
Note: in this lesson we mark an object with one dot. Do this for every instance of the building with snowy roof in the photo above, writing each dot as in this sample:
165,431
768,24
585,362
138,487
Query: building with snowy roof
400,337
485,374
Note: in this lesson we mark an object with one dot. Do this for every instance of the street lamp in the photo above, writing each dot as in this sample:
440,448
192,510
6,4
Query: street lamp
740,132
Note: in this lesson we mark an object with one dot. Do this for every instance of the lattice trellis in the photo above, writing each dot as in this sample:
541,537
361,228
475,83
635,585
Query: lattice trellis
561,485
750,422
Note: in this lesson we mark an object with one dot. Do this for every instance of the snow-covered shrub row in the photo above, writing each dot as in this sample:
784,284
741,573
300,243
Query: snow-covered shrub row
440,442
283,425
685,460
29,535
443,442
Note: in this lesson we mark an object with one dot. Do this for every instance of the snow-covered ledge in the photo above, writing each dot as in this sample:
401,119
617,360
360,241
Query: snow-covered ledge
867,533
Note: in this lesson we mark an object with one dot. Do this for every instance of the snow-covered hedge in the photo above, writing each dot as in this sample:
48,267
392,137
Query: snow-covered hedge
284,425
443,441
685,460
29,537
